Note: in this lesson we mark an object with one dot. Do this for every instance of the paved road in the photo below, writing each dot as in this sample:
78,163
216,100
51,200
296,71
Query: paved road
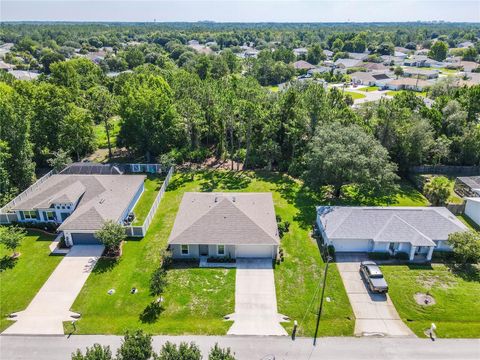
374,313
258,347
51,306
255,300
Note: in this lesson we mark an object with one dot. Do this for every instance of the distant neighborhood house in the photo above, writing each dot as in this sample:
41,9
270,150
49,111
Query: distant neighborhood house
416,231
230,225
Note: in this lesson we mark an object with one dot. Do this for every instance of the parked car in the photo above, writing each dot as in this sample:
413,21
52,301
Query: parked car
374,277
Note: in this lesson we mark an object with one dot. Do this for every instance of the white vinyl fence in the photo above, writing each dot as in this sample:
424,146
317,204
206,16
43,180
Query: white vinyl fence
140,231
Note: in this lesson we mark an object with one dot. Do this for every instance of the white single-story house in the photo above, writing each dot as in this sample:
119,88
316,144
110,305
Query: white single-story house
416,231
472,209
420,73
231,225
80,204
348,63
370,79
300,51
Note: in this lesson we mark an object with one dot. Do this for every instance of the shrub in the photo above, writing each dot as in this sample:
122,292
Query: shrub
217,353
96,352
135,346
331,251
158,281
402,255
111,235
466,246
184,351
46,226
379,255
443,256
220,259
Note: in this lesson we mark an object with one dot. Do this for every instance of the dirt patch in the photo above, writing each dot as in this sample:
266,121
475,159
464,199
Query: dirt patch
424,299
429,281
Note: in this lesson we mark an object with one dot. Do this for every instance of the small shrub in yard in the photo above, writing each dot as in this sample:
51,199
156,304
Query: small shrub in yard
135,346
96,352
10,237
111,235
379,255
158,281
217,353
402,256
331,251
466,246
184,351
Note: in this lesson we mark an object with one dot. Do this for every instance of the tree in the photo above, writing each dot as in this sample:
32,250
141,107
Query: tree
149,120
134,57
103,106
217,353
76,133
438,51
111,235
59,160
470,54
398,71
135,346
96,352
11,237
466,246
169,351
315,54
341,155
437,190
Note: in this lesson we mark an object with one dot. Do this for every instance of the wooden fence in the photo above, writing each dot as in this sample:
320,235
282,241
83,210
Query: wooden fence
141,231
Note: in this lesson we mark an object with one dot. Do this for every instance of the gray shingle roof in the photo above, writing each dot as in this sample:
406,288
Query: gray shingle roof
102,197
417,225
225,218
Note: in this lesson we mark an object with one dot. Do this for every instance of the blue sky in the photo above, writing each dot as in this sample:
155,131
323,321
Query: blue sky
240,10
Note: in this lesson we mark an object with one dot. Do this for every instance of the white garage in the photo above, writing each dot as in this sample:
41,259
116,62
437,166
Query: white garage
352,245
254,251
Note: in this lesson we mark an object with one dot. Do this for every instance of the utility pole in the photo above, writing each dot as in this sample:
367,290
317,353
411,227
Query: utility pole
321,300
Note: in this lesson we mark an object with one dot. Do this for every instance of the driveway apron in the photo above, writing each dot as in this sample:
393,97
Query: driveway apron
375,313
51,306
255,300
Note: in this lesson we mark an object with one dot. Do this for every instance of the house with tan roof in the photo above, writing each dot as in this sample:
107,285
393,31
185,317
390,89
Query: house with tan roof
415,231
79,203
407,84
230,225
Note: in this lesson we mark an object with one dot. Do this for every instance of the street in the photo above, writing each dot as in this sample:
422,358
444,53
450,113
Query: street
253,348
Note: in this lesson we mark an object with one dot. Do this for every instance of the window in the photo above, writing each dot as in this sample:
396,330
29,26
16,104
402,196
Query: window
30,215
184,249
50,215
220,249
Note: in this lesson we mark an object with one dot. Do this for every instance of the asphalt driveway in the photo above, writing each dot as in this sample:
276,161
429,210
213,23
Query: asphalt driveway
255,300
375,313
51,306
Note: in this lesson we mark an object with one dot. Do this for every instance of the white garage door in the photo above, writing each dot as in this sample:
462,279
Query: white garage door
352,245
254,251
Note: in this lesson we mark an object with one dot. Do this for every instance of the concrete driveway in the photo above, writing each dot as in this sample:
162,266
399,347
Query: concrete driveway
51,306
255,300
375,313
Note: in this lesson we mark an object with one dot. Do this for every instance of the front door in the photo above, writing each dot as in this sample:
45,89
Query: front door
203,250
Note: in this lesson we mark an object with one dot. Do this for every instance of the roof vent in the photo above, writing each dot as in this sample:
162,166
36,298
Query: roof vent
233,198
216,198
102,201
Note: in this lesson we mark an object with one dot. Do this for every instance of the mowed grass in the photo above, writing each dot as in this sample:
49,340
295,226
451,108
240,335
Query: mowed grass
153,183
354,95
418,93
457,309
197,299
101,134
369,88
21,279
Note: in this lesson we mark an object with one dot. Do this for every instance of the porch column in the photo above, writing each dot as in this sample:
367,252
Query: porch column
430,252
412,252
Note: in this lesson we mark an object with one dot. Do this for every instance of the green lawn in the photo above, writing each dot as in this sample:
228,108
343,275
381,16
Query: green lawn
20,283
469,222
457,309
273,88
354,95
395,92
101,134
153,183
197,299
369,88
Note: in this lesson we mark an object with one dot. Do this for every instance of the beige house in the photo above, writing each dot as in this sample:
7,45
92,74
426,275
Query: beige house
231,225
